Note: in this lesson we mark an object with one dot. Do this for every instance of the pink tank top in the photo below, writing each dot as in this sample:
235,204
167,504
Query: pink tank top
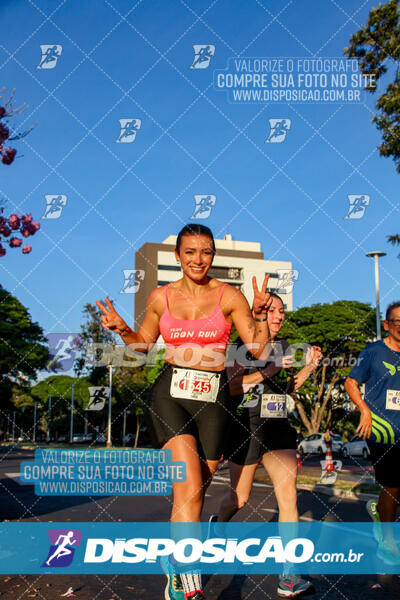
214,329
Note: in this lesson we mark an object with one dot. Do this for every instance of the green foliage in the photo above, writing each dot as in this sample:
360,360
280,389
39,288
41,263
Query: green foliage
375,46
92,332
341,329
23,346
394,239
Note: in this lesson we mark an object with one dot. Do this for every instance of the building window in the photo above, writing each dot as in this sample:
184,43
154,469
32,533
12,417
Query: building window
168,268
233,273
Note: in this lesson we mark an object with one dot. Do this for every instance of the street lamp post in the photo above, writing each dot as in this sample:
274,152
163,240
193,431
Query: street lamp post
109,442
71,425
34,422
376,254
13,427
48,436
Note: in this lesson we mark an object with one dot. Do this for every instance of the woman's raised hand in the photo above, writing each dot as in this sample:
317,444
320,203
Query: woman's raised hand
110,319
314,356
262,299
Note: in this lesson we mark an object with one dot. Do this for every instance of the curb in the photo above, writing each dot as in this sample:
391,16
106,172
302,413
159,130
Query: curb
319,489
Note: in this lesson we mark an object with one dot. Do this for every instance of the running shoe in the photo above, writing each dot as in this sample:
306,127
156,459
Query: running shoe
388,552
293,585
198,595
174,587
372,510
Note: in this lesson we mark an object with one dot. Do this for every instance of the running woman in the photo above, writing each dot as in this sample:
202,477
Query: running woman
378,366
262,433
190,401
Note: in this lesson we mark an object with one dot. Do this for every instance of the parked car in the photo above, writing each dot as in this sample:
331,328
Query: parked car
356,447
315,444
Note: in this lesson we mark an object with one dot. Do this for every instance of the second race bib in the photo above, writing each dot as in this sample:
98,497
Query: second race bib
194,385
273,406
393,400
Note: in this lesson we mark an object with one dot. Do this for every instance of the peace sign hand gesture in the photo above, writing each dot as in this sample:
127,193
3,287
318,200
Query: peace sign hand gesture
110,319
262,299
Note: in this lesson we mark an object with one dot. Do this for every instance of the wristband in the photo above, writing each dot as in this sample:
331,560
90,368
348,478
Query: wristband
255,318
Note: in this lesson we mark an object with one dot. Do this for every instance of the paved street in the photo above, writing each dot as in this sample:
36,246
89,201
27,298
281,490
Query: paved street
18,502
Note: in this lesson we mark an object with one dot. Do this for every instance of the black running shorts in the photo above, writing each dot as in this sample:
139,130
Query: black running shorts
386,460
208,422
251,437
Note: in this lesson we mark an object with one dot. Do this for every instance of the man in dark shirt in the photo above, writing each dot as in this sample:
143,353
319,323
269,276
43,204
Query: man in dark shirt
378,366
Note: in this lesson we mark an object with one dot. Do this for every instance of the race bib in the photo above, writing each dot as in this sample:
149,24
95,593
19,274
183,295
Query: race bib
273,406
195,385
393,400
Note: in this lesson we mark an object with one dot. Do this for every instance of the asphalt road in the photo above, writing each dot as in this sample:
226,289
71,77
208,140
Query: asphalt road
19,503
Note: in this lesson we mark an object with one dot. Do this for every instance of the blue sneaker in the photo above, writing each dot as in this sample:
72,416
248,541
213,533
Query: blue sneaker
388,552
293,585
174,588
372,510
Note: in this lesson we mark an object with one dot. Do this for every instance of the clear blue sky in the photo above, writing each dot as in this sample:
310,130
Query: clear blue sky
126,59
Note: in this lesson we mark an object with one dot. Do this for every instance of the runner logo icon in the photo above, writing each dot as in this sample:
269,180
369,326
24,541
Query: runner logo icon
202,56
62,547
278,130
129,128
50,55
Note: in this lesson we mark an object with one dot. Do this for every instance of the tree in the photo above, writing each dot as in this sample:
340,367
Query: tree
92,332
341,329
394,240
375,46
16,222
59,387
23,346
130,383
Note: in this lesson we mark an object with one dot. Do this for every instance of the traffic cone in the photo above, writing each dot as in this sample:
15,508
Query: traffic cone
329,466
298,459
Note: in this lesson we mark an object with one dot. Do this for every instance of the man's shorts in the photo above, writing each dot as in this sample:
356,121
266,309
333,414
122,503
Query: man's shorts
386,461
